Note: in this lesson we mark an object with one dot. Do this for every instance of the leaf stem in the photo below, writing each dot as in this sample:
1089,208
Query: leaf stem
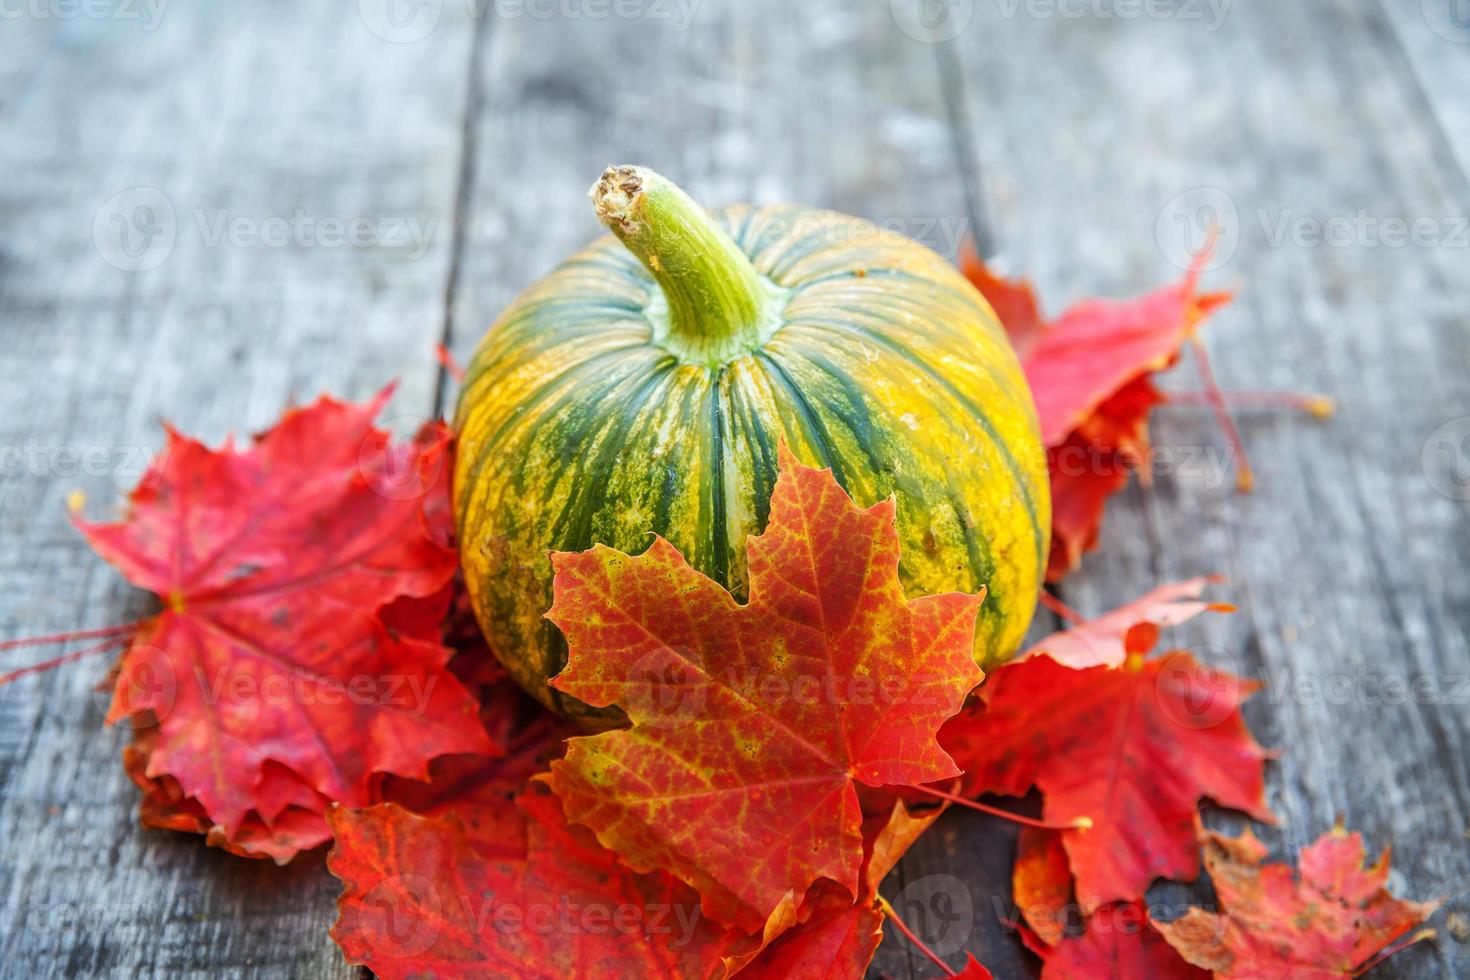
1319,406
1245,480
40,641
908,934
65,658
1061,609
1383,954
1080,823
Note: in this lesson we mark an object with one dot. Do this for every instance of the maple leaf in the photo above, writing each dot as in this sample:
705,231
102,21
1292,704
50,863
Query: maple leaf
1100,641
297,820
1332,920
1119,942
837,936
1090,372
1041,883
447,877
974,970
476,889
1133,749
838,939
273,563
753,724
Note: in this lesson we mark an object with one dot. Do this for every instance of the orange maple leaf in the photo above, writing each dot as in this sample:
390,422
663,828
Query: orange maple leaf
753,725
1332,920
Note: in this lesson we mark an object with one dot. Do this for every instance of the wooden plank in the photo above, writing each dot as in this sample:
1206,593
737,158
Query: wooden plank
1343,560
1347,554
1434,40
251,113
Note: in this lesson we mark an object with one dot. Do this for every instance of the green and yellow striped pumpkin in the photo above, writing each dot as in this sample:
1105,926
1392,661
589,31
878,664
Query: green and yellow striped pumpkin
645,384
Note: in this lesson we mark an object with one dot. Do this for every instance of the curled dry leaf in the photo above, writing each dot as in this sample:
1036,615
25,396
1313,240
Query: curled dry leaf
270,674
296,821
1133,749
1331,919
753,726
1100,642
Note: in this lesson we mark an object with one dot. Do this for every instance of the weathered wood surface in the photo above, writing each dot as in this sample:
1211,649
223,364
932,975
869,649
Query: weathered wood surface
1070,137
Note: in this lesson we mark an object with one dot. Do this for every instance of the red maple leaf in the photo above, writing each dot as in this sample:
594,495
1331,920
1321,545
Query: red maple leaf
289,817
1118,942
1334,919
1090,372
273,564
838,939
752,725
478,874
1133,749
836,936
974,970
498,884
1100,641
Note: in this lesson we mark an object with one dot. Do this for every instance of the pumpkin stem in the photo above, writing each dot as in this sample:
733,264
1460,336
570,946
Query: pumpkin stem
718,305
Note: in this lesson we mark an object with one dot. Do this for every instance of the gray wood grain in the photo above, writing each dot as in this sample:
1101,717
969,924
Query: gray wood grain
1071,137
1345,560
256,111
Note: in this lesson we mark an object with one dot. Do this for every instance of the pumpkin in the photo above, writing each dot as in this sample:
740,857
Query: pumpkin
645,385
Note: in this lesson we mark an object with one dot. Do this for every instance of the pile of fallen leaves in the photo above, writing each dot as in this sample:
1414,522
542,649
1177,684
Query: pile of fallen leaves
314,676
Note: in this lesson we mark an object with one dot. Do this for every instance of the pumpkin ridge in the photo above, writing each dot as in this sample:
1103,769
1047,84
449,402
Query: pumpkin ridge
823,440
573,523
718,505
974,411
